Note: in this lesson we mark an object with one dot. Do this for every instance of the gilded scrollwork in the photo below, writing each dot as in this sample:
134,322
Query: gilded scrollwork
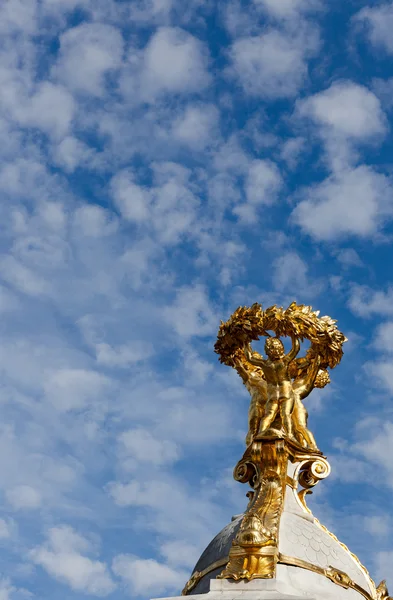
254,550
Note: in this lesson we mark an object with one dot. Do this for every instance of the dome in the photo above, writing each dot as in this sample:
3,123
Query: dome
214,558
311,560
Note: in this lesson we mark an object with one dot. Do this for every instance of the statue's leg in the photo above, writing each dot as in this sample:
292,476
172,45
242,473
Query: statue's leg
254,419
253,428
300,425
308,436
297,428
286,409
271,410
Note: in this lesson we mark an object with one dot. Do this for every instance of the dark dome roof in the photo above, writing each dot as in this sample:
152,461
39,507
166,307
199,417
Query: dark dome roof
216,551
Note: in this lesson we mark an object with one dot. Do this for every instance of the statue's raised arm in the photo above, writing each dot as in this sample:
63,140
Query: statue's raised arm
253,357
294,351
304,384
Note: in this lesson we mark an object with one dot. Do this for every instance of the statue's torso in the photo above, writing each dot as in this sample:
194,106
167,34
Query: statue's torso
276,371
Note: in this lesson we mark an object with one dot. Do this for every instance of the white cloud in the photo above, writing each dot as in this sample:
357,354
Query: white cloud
140,264
75,389
352,202
287,8
377,525
6,528
348,257
173,62
71,153
129,494
366,302
383,563
230,157
53,215
30,102
271,65
63,6
346,109
263,182
197,369
381,374
94,221
371,462
123,356
183,519
148,576
383,340
40,252
291,151
24,497
290,273
63,557
23,278
27,178
169,206
7,590
375,437
383,88
180,553
379,24
191,312
33,477
50,108
8,301
152,11
131,199
262,185
113,355
140,446
88,53
15,16
197,127
350,469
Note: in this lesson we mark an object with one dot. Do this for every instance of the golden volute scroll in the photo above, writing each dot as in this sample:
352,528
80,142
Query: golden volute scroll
277,419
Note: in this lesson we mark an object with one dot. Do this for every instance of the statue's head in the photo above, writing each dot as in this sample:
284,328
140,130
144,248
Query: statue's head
322,378
274,348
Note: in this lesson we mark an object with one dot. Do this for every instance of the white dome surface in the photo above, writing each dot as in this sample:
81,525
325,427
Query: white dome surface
303,538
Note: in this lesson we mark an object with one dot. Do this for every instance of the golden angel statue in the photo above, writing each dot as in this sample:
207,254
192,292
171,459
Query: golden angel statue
279,383
263,410
280,394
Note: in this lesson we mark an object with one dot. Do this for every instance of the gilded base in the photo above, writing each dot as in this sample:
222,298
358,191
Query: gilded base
255,549
249,564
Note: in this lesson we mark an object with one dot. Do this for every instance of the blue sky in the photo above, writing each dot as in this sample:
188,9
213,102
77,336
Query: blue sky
161,163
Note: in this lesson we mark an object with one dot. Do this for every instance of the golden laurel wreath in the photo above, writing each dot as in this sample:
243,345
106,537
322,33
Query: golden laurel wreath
249,323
